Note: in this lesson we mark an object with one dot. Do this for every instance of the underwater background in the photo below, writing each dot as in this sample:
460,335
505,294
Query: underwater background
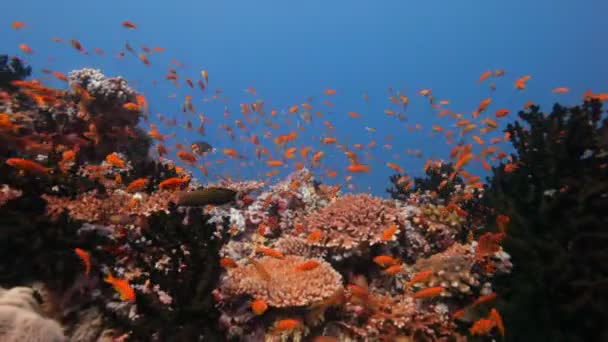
303,171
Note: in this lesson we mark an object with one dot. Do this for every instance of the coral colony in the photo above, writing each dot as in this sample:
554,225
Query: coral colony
115,246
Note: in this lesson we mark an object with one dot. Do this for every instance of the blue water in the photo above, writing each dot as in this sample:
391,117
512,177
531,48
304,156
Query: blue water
290,50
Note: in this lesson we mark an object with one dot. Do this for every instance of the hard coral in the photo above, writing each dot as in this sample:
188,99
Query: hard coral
287,286
94,208
352,221
452,270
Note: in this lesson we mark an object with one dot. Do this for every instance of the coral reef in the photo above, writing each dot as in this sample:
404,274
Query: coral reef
129,248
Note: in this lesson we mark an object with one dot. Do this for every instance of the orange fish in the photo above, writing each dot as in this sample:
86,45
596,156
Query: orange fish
172,183
27,165
482,106
307,266
389,233
60,76
129,24
144,59
393,270
428,292
25,48
483,326
270,252
274,163
314,236
357,168
121,286
187,157
259,306
385,260
287,325
17,25
354,115
330,92
137,185
484,299
495,316
86,260
131,106
561,90
76,45
501,112
228,263
484,76
419,277
114,160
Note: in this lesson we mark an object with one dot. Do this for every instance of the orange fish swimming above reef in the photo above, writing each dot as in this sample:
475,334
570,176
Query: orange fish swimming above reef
27,165
121,286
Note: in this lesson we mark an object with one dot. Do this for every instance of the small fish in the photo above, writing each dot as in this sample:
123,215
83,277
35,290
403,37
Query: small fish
137,185
17,25
389,233
270,252
25,48
115,160
228,263
357,168
86,260
330,92
314,236
419,277
259,306
76,45
172,183
385,260
27,165
484,76
307,266
144,59
393,270
484,299
131,106
560,90
121,286
285,325
428,292
129,24
201,147
501,112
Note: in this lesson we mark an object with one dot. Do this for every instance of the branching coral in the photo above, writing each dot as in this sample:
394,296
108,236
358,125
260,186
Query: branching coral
352,221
